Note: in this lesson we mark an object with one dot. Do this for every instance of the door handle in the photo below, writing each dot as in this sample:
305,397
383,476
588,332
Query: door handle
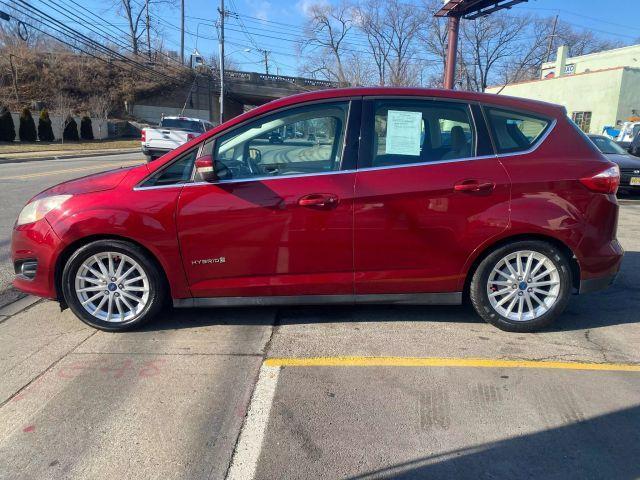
319,200
474,186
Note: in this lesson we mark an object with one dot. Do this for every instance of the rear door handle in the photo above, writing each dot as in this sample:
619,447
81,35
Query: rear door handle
474,186
323,201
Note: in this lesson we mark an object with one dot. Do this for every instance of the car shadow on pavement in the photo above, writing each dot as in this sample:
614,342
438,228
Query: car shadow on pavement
617,305
606,446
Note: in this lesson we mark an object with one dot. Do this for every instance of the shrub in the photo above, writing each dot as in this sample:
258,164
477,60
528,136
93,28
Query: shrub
45,130
27,130
70,132
86,130
7,129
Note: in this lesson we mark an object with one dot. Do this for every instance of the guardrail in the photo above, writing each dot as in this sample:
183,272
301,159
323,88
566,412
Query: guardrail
254,77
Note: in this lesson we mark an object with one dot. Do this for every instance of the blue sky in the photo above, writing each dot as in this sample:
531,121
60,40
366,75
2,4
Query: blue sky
272,24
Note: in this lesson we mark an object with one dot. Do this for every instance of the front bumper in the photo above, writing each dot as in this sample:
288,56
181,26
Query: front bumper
36,242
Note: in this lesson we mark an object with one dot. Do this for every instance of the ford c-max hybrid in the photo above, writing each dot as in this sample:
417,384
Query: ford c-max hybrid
408,196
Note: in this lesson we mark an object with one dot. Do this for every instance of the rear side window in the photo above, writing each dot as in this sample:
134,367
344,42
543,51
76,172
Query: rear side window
514,131
418,131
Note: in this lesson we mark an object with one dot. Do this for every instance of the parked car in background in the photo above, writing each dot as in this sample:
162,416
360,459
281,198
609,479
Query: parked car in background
170,133
634,148
275,137
628,132
383,211
629,165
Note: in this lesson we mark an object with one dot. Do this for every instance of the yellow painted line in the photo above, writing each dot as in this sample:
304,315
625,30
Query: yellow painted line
71,170
444,362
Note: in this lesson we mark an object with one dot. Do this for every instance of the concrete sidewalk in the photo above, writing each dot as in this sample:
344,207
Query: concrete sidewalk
63,154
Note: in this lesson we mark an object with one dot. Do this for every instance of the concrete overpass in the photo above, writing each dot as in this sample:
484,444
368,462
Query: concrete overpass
242,89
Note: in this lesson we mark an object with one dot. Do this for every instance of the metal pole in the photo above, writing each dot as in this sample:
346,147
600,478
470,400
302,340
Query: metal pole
182,31
148,30
553,34
221,61
452,50
266,61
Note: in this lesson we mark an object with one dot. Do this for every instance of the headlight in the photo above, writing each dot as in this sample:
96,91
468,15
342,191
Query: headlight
37,209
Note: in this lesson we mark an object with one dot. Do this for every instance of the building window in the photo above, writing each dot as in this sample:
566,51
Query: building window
583,120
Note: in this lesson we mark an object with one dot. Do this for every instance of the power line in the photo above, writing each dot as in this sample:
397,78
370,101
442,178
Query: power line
78,38
89,41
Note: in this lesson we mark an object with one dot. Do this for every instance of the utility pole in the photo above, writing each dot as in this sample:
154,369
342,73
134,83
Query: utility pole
148,30
266,60
181,31
553,34
222,13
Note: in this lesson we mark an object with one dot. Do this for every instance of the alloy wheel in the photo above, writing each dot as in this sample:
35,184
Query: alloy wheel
523,285
112,286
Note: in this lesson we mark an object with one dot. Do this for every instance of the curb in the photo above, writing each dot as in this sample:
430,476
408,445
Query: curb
69,156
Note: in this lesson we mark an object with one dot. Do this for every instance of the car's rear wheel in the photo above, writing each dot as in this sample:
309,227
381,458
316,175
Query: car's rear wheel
112,285
522,287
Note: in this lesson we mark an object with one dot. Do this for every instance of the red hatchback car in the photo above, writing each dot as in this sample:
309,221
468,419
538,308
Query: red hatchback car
406,196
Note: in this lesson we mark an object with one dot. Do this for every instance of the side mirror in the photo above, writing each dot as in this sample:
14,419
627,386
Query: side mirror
205,169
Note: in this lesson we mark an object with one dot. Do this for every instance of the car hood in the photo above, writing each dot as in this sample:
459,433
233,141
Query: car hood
97,182
624,161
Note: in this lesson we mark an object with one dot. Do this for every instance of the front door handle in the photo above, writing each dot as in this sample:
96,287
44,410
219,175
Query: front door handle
474,186
323,201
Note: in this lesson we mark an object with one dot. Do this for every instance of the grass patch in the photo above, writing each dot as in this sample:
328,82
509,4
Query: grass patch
18,147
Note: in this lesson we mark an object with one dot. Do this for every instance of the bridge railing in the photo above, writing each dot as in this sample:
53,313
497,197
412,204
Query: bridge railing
255,77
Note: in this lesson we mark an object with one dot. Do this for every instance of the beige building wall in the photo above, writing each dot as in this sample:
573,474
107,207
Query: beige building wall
619,57
595,92
629,105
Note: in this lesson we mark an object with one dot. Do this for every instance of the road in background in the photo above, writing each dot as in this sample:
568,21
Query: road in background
21,181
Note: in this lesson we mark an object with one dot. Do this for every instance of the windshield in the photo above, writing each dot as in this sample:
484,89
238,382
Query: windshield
182,124
607,146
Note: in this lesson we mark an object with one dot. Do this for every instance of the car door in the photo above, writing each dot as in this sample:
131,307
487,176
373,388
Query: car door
279,218
429,192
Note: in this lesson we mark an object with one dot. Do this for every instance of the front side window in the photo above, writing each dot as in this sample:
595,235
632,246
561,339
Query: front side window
178,172
514,131
300,140
417,131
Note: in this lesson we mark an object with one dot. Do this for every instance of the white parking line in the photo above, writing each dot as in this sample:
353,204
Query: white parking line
247,452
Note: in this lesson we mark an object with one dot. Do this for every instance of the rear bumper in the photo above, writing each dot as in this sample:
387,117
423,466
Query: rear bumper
36,242
596,284
156,152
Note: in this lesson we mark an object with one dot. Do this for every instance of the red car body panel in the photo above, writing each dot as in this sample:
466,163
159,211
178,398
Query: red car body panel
397,230
269,243
413,232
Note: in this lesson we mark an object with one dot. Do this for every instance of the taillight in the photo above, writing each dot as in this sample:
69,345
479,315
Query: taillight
606,181
143,135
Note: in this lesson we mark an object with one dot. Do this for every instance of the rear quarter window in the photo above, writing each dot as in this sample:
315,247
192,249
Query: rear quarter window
515,131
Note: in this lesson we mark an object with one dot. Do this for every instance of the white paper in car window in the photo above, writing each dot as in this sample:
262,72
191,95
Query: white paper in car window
403,132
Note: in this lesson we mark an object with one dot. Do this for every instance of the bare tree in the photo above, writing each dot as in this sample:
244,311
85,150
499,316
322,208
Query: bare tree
487,43
61,108
326,31
139,20
99,107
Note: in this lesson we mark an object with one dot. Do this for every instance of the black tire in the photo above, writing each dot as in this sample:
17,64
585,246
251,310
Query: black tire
479,295
157,286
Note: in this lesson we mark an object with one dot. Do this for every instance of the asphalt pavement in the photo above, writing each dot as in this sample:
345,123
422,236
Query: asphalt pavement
324,392
21,181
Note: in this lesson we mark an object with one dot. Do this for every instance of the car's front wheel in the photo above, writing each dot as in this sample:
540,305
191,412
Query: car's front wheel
113,285
522,287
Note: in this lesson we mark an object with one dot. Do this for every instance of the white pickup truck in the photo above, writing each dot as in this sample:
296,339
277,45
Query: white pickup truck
171,133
